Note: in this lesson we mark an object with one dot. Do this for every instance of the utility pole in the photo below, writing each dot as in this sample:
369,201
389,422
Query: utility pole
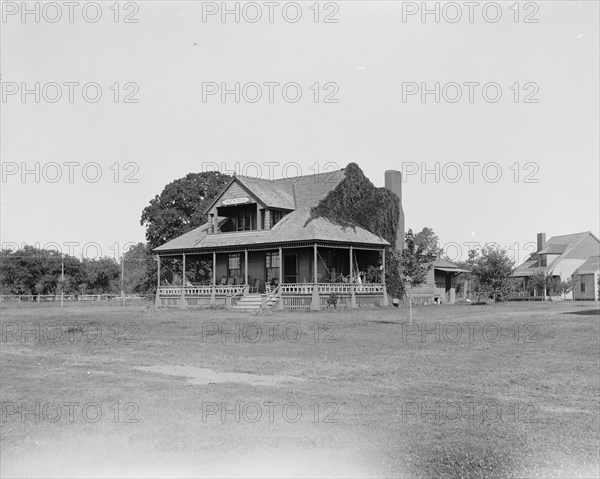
62,281
123,278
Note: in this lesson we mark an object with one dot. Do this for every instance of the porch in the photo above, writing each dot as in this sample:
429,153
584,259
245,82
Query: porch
274,277
289,296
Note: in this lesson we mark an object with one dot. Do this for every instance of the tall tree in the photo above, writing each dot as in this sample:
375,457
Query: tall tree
493,269
180,206
429,241
416,260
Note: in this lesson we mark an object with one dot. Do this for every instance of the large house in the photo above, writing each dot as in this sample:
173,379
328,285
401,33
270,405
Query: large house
558,257
265,249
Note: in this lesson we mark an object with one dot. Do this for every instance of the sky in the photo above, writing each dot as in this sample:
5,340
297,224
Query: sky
505,146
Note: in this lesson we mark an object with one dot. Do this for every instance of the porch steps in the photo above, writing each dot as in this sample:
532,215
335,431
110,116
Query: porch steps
251,302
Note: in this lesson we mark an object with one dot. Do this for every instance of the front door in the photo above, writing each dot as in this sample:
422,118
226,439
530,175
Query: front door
290,269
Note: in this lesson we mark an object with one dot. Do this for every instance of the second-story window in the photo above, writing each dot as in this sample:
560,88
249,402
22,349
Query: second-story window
241,218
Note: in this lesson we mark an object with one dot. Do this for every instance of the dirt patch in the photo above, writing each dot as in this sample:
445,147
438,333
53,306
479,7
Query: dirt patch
203,376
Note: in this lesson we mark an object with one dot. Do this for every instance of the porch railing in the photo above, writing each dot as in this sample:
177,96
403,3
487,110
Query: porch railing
221,290
328,288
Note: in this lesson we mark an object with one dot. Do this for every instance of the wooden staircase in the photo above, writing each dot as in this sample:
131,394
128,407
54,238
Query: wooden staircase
253,302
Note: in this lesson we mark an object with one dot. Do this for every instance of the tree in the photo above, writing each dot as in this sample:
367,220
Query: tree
416,260
493,270
102,276
30,270
140,270
180,206
545,282
427,239
565,286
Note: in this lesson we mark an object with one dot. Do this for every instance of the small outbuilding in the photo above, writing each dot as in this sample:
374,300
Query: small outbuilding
585,280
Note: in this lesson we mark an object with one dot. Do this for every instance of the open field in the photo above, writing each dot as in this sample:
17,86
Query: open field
467,391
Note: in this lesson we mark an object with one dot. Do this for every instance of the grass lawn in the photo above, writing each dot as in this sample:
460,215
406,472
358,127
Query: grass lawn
510,390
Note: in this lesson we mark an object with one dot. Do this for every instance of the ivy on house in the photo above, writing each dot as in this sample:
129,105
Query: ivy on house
355,201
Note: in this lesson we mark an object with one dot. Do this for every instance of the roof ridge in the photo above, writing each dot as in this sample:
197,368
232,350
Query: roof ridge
571,234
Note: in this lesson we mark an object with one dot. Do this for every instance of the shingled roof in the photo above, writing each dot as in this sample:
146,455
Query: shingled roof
591,266
443,265
561,246
298,194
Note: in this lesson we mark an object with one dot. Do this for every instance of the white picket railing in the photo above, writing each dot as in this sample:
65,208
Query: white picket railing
328,288
207,290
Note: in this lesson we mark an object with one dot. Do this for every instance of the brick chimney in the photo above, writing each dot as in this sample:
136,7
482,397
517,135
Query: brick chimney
541,241
393,183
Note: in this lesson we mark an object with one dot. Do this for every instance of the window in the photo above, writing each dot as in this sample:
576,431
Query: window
582,287
241,218
234,265
272,265
246,218
544,261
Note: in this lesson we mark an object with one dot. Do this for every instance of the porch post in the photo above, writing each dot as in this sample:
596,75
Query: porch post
385,302
183,302
352,295
280,302
280,266
157,302
315,262
213,290
214,268
246,267
315,304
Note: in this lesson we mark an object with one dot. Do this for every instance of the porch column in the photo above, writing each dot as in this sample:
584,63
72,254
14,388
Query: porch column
183,302
246,267
315,262
214,268
280,266
315,304
352,295
385,301
280,302
157,302
213,290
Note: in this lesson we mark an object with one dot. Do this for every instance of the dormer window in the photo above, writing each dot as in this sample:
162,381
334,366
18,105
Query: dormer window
241,218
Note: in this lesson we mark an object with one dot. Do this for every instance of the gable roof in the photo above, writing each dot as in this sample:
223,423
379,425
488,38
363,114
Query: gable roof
274,194
286,193
591,266
299,194
559,245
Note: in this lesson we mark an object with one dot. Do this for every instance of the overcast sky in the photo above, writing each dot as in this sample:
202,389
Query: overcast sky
371,65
